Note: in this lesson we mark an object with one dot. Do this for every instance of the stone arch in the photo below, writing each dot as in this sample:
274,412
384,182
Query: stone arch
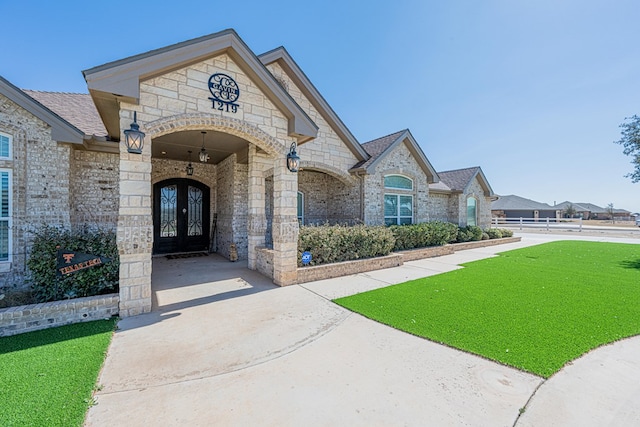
203,121
341,176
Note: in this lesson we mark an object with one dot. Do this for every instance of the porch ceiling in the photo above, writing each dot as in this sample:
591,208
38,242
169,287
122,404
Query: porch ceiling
219,145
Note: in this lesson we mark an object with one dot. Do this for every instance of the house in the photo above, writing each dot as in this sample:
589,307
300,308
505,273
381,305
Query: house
591,211
205,145
512,206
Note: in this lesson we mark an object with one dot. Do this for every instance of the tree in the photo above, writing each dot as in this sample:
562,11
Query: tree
570,211
611,211
631,142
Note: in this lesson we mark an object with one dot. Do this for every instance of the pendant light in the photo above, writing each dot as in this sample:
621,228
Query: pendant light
204,156
189,166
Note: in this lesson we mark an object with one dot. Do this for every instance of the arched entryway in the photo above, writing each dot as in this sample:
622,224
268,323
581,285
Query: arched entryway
180,216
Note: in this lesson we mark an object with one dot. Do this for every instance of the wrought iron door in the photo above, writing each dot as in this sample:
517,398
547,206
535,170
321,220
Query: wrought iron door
180,216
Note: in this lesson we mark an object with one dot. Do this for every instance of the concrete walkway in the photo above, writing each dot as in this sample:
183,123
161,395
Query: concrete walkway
225,347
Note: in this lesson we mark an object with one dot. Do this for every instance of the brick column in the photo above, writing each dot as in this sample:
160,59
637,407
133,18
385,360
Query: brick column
135,225
285,224
257,218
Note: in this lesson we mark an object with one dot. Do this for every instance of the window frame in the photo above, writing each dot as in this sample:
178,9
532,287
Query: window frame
398,218
10,146
300,207
475,207
9,217
384,183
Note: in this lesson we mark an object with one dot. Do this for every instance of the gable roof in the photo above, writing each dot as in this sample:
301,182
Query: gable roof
61,130
76,108
379,148
295,73
515,203
120,80
459,180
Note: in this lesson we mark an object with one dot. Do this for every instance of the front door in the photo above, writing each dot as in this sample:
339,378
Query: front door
180,216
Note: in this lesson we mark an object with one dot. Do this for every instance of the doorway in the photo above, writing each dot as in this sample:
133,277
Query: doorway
180,216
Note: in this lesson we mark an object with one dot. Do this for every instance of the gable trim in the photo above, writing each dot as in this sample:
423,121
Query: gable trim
61,130
416,152
295,73
117,81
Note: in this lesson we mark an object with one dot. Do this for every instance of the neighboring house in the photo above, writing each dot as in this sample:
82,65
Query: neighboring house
518,207
591,211
219,122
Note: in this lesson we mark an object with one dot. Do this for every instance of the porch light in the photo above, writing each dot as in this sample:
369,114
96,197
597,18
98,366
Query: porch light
204,156
189,167
134,137
293,161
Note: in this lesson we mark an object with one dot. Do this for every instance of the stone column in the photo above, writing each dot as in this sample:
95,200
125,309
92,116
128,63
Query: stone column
285,224
135,225
257,218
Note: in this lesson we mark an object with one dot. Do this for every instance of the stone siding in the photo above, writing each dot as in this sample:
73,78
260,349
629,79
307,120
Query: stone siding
398,162
438,207
326,199
232,189
27,318
95,189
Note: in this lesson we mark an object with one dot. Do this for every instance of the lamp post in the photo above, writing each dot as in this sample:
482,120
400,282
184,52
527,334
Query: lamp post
293,160
134,137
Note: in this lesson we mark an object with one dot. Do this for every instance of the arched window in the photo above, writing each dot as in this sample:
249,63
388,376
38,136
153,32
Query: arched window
472,211
398,205
398,182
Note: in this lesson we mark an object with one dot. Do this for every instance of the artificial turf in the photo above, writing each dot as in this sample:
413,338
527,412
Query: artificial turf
47,377
535,308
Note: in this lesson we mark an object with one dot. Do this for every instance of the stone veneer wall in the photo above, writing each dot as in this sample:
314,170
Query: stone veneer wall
27,318
326,199
438,207
230,207
483,205
95,189
398,161
40,182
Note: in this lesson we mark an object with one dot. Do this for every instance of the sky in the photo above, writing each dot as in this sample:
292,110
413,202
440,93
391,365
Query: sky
533,91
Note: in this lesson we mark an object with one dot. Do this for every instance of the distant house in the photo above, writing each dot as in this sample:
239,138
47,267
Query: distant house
518,207
591,211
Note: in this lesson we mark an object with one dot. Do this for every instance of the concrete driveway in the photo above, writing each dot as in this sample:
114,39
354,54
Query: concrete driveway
225,347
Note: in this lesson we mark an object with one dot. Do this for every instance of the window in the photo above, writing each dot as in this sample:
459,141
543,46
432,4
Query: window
300,207
471,211
398,209
5,214
398,182
5,146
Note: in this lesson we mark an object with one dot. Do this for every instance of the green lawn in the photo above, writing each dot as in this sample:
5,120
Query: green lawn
534,308
47,377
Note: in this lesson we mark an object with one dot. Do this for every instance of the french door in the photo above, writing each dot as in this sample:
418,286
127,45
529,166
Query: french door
180,216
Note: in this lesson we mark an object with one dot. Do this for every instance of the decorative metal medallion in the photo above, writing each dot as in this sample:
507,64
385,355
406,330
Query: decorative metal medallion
225,92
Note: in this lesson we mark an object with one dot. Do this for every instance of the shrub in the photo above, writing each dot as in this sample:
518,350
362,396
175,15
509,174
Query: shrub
506,232
469,233
494,233
435,233
485,236
47,286
336,243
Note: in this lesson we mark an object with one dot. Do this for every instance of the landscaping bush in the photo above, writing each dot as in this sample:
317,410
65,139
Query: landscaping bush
336,243
469,233
494,233
506,232
47,286
435,233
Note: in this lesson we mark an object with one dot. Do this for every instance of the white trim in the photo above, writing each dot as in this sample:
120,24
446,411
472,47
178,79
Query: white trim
9,218
397,216
10,138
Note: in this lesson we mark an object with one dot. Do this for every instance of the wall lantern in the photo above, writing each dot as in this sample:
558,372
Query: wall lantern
134,137
204,156
189,167
293,161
